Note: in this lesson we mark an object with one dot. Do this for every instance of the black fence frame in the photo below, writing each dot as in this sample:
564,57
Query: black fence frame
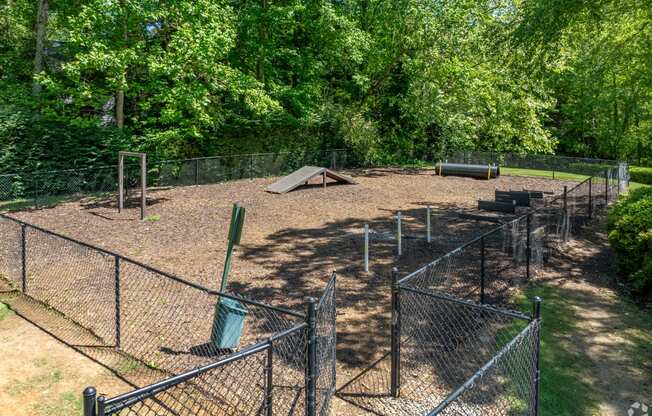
314,359
601,190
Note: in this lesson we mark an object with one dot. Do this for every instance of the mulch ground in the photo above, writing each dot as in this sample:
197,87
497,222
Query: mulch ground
293,242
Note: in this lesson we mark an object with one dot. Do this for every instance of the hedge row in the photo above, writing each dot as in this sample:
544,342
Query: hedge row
630,235
641,174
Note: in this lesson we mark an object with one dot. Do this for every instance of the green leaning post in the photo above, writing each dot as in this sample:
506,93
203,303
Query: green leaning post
230,314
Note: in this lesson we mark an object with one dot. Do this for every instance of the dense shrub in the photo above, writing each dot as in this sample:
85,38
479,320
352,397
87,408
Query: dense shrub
641,174
630,235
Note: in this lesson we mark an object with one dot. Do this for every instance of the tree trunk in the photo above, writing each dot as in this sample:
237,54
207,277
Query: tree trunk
120,94
260,62
41,25
120,108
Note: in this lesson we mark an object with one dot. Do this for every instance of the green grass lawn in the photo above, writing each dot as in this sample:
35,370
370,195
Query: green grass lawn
557,175
568,373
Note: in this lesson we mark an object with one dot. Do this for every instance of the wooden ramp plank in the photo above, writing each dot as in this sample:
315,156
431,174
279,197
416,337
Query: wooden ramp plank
303,175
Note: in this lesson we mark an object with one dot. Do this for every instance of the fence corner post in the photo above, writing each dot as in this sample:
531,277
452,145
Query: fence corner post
396,335
311,364
89,401
536,315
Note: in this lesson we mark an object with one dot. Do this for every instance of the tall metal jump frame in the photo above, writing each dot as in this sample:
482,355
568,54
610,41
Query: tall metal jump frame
143,180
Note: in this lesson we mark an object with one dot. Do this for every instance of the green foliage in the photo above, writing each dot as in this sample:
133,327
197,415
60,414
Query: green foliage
641,174
393,81
630,235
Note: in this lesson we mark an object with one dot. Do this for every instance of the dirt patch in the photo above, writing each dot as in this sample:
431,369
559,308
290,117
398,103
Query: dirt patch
39,376
293,242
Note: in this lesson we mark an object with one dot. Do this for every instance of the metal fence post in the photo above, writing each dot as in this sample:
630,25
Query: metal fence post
23,256
566,217
269,378
311,365
482,270
90,406
35,192
396,336
528,245
117,303
196,171
536,314
399,234
366,248
101,406
590,197
606,188
428,232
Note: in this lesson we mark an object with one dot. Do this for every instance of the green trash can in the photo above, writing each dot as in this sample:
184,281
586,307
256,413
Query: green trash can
228,323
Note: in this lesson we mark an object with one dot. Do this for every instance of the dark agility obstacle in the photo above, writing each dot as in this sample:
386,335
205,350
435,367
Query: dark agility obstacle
468,171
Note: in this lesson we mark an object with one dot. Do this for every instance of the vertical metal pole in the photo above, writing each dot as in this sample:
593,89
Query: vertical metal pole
35,191
311,367
333,162
196,171
366,248
528,245
89,396
428,235
536,314
606,188
251,167
399,235
117,303
590,197
482,270
566,219
143,186
269,369
101,406
121,178
23,256
396,336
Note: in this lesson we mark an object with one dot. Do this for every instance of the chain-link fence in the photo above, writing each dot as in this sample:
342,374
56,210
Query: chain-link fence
45,188
149,325
454,349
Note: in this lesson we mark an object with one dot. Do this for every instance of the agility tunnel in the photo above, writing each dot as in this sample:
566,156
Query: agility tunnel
469,171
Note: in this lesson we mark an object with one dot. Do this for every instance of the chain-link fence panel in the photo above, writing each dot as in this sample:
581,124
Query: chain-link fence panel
326,348
11,264
458,273
77,280
445,340
236,385
504,386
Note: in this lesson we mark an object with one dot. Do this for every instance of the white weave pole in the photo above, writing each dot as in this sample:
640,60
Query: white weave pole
428,237
366,248
399,235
